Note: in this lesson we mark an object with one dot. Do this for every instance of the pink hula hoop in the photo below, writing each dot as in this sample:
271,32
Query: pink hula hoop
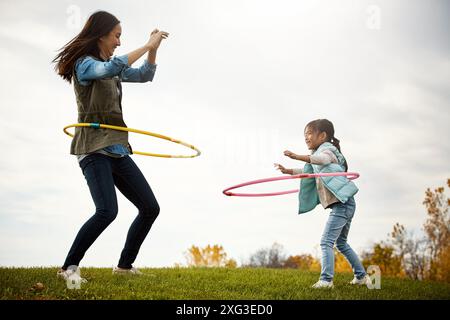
350,175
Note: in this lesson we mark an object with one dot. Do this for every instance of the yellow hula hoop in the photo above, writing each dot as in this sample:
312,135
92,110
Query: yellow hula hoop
156,135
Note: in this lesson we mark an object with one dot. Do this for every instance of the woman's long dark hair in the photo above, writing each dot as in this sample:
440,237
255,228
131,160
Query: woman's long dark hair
98,25
324,125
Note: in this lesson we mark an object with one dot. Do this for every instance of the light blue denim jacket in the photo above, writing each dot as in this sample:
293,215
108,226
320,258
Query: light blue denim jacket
87,68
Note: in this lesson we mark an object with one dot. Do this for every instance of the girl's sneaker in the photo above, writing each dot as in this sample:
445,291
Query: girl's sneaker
133,271
321,284
361,282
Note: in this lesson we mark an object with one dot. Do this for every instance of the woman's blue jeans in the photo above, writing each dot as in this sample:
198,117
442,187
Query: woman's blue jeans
103,174
336,232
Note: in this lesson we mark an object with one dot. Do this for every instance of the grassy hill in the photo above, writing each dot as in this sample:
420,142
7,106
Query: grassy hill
206,283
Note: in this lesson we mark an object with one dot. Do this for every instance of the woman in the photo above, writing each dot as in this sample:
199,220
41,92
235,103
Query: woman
103,154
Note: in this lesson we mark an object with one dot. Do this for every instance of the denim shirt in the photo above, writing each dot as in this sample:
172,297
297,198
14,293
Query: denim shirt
87,69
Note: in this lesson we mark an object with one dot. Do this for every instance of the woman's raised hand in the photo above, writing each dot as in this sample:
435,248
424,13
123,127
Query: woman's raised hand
155,39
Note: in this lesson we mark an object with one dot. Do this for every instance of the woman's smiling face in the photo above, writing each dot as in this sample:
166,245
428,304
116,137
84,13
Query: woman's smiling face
110,42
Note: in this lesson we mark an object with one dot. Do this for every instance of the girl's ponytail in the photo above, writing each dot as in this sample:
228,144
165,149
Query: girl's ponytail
335,141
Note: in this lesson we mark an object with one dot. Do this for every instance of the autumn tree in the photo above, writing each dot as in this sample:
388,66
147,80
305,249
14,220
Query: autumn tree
412,252
420,258
302,261
272,257
383,255
437,229
209,256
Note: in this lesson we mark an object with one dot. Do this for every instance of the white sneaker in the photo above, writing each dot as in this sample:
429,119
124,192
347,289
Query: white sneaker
361,282
321,284
133,271
70,274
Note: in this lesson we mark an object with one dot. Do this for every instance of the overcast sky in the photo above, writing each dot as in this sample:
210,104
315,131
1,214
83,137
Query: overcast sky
239,80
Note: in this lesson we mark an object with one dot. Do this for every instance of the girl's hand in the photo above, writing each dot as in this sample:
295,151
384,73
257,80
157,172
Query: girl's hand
290,154
282,169
155,39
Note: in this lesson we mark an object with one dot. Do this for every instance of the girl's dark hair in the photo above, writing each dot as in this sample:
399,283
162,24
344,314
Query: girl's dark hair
98,25
324,125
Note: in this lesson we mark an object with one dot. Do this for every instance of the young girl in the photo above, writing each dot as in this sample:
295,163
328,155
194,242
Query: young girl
335,193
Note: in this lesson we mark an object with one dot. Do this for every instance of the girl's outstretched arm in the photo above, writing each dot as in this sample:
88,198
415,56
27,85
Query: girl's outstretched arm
294,156
284,170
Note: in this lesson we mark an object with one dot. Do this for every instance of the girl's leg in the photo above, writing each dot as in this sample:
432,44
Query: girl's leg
133,185
336,222
98,174
344,247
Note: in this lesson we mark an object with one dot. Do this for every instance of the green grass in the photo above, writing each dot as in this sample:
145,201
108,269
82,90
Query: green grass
206,283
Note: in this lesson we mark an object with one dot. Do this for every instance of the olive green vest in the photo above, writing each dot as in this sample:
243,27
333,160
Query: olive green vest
98,102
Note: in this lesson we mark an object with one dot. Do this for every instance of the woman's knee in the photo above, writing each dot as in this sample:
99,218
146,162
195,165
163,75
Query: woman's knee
151,210
107,214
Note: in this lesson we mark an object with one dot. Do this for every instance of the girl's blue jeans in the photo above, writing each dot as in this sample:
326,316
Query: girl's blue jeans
336,232
103,174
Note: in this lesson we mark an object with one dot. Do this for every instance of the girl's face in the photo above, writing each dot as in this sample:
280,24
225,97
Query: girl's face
314,138
110,42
